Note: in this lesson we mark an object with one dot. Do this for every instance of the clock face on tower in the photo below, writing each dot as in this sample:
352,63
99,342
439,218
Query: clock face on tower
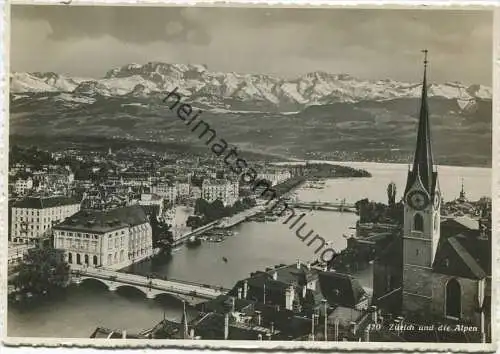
418,200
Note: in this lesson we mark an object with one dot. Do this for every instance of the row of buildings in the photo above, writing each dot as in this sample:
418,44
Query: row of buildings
50,179
111,238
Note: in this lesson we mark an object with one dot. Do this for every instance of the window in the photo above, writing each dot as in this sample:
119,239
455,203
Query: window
418,223
453,299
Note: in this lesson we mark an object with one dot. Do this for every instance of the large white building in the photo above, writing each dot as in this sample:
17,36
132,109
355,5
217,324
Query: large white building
152,202
226,191
165,190
112,238
275,176
183,189
23,185
33,217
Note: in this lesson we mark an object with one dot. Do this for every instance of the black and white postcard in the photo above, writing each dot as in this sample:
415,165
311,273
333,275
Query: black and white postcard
250,176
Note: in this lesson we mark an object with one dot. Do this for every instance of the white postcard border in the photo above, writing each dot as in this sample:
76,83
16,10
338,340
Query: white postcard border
18,345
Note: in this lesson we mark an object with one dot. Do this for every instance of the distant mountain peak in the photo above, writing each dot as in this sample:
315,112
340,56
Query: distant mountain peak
226,89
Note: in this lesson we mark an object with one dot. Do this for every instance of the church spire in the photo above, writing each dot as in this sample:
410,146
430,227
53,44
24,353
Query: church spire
423,162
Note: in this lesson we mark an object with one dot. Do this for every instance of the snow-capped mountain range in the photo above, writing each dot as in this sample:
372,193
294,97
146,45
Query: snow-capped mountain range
225,90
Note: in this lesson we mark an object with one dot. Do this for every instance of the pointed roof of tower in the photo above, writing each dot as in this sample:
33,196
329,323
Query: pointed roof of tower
423,160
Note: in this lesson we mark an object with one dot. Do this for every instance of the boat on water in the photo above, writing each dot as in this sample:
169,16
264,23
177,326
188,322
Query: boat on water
215,239
221,232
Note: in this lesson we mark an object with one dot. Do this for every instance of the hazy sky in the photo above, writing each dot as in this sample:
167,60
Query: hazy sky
378,44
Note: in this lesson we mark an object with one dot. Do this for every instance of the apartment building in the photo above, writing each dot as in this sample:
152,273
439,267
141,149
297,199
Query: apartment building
166,190
225,191
112,238
23,185
32,218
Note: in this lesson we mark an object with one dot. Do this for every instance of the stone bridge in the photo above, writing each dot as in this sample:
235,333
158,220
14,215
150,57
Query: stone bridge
187,291
330,206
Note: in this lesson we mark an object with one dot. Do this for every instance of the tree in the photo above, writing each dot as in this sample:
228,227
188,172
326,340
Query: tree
42,270
238,206
201,206
249,202
194,222
216,210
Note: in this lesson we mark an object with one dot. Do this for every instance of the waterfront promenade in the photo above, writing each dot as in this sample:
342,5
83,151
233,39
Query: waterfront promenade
240,217
151,287
196,232
223,223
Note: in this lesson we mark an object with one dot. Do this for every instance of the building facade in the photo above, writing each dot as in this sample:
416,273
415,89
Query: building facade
276,176
152,200
225,191
183,189
32,218
23,185
105,238
166,190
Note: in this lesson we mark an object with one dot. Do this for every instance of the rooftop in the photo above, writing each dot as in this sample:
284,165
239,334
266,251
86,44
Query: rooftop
44,202
341,289
101,221
468,222
464,256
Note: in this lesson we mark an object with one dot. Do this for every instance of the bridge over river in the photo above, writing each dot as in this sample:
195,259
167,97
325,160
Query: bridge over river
341,206
188,291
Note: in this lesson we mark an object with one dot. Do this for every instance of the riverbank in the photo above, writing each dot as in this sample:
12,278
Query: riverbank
324,170
254,246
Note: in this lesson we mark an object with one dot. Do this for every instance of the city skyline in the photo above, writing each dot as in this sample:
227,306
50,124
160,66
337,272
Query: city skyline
340,41
255,207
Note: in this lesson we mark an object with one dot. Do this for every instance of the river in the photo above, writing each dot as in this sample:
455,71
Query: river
254,246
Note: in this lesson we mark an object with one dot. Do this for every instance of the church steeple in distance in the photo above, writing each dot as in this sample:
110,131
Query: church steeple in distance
423,164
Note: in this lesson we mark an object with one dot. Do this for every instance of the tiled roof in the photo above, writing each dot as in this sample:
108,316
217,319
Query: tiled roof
291,274
340,289
468,222
463,256
454,226
44,202
223,303
212,327
101,221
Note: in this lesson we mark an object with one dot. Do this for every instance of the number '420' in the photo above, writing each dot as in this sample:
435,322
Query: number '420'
374,327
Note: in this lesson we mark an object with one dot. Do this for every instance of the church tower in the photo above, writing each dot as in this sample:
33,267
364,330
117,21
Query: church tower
421,230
